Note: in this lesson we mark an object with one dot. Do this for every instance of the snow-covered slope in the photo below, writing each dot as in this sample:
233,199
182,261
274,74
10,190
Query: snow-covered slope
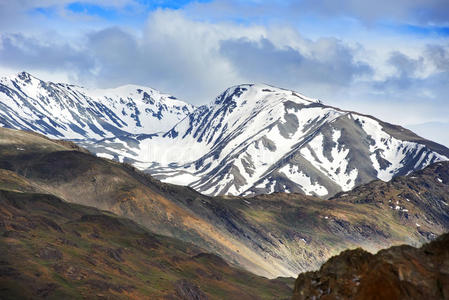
260,139
72,112
251,139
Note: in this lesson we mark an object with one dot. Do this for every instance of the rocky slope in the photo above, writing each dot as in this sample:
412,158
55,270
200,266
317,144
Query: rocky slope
252,139
51,249
71,112
271,235
401,272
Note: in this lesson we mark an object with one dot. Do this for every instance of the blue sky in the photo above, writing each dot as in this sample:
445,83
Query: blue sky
385,58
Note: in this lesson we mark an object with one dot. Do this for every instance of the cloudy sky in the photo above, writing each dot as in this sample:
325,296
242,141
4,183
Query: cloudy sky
389,59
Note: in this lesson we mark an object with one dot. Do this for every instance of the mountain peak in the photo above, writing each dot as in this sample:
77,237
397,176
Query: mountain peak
232,93
257,93
26,77
24,74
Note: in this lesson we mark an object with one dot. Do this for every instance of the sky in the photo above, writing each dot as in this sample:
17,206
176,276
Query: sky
389,59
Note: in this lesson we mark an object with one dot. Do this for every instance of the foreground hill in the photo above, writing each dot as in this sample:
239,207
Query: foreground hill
271,235
51,249
251,139
401,272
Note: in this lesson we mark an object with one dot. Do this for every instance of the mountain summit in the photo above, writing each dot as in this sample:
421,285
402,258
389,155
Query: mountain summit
251,139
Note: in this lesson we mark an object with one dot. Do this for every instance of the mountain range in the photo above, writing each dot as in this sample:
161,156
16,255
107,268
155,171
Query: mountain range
252,139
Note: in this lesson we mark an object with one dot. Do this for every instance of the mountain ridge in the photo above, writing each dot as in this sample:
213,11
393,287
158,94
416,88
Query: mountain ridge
251,139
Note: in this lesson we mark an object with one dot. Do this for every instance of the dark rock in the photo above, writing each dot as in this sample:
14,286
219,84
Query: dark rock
50,253
115,254
51,224
148,242
106,222
67,242
95,234
8,272
212,258
12,234
46,290
105,286
69,271
189,291
19,227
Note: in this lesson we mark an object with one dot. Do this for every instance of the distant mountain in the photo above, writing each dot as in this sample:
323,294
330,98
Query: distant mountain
280,234
256,139
252,139
400,273
71,112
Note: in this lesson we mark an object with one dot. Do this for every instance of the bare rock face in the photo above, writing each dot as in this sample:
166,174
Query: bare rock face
402,272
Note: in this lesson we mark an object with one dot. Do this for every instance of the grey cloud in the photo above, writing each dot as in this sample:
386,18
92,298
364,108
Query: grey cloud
406,69
439,56
26,53
262,61
407,72
117,56
404,64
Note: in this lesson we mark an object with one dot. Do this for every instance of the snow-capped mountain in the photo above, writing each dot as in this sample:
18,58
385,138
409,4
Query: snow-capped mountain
260,139
251,139
72,112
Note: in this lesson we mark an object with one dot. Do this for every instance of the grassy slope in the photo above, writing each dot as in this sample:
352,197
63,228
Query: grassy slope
56,250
